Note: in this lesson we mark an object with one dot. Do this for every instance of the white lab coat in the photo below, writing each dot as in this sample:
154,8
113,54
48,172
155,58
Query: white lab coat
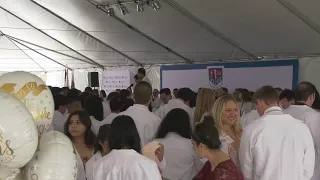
245,107
182,163
312,118
108,119
156,104
106,109
277,147
95,125
81,174
173,104
125,164
145,79
146,122
90,164
58,121
248,118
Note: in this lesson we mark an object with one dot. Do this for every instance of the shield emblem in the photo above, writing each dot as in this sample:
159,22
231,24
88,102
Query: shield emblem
215,77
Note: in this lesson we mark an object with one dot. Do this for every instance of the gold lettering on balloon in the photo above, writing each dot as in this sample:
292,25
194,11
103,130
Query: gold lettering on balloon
24,90
6,152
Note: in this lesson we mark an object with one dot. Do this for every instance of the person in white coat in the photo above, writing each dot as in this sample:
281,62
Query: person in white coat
115,104
102,149
286,98
125,162
146,122
276,146
248,118
305,96
183,101
93,105
60,107
174,133
142,75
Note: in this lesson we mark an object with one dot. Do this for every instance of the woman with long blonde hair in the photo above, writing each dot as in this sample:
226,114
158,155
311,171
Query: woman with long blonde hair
226,115
205,101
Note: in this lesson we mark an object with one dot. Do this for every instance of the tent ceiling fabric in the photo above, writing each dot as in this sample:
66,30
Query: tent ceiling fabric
262,28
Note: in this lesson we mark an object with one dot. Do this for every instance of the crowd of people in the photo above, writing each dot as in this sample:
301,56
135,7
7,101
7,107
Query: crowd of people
210,134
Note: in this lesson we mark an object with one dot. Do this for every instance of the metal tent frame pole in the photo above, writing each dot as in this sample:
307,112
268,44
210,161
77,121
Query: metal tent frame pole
204,25
40,53
83,31
48,49
97,64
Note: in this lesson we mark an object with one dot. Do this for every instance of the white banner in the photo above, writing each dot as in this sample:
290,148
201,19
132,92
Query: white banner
115,79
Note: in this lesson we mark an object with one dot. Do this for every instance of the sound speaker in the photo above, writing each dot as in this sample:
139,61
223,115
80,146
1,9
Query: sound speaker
93,79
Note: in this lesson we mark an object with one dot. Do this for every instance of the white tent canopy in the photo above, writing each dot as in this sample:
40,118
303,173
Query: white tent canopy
50,35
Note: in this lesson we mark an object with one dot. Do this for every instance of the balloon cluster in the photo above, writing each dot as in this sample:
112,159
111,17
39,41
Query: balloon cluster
27,151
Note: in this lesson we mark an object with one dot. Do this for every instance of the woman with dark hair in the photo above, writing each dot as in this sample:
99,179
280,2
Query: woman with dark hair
102,149
83,98
245,105
78,129
175,134
206,143
103,94
125,162
93,105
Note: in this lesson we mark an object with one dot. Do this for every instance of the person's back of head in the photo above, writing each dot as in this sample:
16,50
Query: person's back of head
60,103
83,97
225,90
102,139
94,107
95,92
124,134
305,93
143,93
112,95
206,134
56,91
73,93
245,95
176,121
265,97
115,104
124,94
125,104
74,104
103,94
88,89
186,95
287,94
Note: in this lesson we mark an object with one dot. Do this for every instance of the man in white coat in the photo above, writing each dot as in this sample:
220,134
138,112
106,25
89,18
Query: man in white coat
146,122
183,101
305,96
276,146
142,75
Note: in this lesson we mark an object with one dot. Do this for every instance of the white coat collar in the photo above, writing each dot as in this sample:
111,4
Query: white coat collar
272,109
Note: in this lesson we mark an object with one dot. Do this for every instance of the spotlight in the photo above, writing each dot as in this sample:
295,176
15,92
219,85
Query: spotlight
123,9
110,11
140,7
156,5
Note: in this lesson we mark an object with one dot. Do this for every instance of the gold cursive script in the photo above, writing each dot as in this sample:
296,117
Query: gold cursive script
24,90
5,149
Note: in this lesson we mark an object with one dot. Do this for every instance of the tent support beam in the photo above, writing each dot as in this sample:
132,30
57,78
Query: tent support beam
300,15
24,52
11,37
40,53
91,36
143,34
97,64
209,28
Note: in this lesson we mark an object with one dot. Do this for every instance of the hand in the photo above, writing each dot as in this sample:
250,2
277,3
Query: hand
160,152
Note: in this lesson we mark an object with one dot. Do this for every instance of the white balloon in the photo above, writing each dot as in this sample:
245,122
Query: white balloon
8,173
56,162
33,92
18,132
51,138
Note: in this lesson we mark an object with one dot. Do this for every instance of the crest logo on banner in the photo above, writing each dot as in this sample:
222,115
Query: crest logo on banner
215,76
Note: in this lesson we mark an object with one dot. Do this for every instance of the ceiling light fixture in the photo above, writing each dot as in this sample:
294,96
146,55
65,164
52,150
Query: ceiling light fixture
156,5
140,6
123,9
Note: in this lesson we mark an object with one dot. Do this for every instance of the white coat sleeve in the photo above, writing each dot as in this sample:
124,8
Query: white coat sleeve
313,122
245,154
309,156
